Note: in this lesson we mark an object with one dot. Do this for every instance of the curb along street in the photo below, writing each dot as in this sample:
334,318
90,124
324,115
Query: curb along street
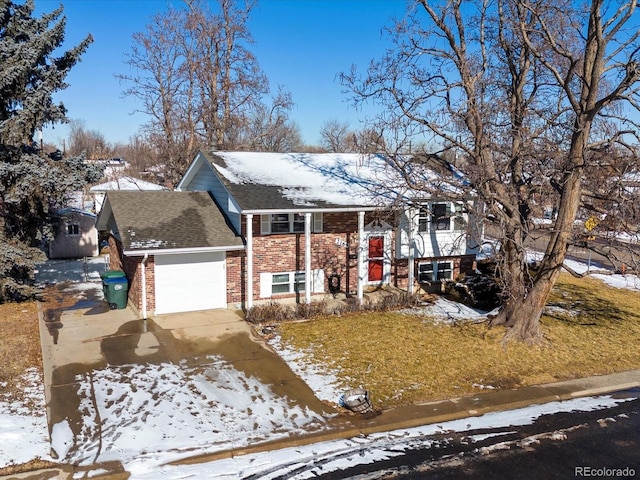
403,418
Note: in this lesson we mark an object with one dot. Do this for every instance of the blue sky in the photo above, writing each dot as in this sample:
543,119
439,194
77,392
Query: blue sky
300,44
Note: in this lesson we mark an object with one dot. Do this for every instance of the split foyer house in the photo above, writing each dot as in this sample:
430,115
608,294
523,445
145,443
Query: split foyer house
246,227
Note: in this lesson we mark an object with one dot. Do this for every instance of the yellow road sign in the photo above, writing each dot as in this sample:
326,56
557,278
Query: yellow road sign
591,223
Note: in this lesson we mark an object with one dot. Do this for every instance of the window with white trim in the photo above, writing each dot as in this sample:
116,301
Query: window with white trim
423,220
444,271
73,229
425,272
441,216
288,223
430,271
287,282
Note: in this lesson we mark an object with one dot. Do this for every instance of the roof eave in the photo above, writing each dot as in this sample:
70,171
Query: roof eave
303,209
176,251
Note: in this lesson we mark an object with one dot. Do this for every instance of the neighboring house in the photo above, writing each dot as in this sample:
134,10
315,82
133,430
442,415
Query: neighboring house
121,183
75,234
300,223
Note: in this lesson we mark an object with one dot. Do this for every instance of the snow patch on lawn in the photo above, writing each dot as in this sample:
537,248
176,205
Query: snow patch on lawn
24,434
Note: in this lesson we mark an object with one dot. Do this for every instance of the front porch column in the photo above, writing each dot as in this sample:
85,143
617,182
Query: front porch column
411,263
361,253
249,301
307,258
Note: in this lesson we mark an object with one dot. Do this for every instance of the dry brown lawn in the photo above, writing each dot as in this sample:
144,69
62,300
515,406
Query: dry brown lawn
20,343
591,329
19,351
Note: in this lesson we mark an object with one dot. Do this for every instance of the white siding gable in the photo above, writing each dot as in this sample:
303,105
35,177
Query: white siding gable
432,242
201,178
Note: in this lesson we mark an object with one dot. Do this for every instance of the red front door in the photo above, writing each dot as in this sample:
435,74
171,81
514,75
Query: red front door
376,258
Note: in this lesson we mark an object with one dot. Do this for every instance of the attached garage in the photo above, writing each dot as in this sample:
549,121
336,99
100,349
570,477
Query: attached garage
190,281
173,248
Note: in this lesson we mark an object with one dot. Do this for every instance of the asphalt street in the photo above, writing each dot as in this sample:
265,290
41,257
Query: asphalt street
596,444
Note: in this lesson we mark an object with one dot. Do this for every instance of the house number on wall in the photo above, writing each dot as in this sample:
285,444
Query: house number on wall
341,243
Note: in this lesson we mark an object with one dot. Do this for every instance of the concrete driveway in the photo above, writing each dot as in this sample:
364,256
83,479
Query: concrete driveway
196,382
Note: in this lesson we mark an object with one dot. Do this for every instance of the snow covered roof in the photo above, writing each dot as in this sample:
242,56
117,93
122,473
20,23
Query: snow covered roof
126,183
263,180
68,210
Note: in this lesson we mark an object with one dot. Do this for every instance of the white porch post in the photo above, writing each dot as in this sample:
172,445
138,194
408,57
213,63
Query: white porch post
249,301
410,265
361,252
307,258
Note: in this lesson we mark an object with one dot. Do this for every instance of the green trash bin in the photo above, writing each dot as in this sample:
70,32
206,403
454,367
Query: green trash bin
116,292
109,274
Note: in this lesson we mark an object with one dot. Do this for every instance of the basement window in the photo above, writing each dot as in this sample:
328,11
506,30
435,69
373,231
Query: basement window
434,271
289,282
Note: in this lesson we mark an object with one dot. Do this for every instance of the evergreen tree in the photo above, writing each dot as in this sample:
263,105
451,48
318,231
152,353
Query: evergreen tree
32,185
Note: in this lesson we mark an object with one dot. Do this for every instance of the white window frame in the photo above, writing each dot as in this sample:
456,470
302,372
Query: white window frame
423,265
448,216
295,282
266,222
293,278
443,268
438,269
423,219
427,221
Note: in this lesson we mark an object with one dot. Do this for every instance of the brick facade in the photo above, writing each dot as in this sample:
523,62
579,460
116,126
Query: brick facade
334,251
132,267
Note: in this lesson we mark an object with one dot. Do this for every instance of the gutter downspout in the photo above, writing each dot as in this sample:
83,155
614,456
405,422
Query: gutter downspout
144,285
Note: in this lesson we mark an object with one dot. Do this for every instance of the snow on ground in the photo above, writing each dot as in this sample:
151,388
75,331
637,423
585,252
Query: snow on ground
24,433
173,411
309,461
146,415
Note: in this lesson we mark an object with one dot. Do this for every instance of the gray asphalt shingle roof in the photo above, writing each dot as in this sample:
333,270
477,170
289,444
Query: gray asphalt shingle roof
167,220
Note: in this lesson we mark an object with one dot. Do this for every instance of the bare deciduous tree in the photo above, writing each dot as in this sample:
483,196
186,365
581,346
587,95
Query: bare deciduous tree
200,83
522,94
269,128
334,136
157,79
89,143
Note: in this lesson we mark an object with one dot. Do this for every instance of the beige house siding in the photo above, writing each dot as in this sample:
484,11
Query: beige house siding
76,236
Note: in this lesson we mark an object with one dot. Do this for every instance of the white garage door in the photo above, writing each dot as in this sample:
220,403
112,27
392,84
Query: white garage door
190,281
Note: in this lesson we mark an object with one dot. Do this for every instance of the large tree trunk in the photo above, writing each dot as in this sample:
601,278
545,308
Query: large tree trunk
524,306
